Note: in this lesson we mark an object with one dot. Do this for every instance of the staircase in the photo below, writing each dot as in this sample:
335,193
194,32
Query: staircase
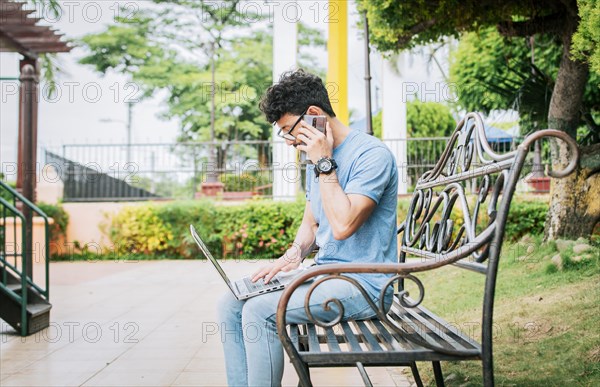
23,304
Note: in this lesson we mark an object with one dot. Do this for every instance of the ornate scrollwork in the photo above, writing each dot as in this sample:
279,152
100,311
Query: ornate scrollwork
433,226
403,294
380,310
466,144
443,221
327,304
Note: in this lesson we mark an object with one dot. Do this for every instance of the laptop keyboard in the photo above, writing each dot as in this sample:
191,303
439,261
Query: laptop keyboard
260,285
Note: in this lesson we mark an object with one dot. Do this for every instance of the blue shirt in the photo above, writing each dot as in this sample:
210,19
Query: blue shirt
365,167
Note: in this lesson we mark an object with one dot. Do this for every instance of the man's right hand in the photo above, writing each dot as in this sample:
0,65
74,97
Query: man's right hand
286,262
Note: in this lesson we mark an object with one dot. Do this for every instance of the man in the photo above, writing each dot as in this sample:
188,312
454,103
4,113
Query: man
350,214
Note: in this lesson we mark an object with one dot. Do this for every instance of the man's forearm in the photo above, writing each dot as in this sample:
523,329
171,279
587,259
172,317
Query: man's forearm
303,243
336,205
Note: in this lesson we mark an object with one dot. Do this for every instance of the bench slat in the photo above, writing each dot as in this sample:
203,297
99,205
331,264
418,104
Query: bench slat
390,342
369,339
465,340
401,339
401,324
380,358
313,340
425,331
351,337
379,336
415,328
294,334
436,330
332,341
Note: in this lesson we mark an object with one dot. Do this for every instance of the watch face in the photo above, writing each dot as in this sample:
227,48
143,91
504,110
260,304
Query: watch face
324,165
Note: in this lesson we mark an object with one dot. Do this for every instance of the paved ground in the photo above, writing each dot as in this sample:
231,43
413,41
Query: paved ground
137,324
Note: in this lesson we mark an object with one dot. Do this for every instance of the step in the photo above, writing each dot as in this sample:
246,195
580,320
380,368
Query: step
38,308
14,287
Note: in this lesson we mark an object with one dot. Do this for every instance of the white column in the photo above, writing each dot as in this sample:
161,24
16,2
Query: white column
394,116
286,172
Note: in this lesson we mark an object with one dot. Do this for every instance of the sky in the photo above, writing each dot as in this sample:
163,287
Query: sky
91,108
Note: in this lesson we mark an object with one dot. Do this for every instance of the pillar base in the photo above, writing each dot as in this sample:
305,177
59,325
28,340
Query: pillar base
211,189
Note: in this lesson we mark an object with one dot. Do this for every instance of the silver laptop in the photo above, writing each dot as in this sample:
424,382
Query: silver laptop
244,288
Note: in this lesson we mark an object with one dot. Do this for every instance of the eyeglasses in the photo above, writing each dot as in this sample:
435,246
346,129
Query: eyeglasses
288,135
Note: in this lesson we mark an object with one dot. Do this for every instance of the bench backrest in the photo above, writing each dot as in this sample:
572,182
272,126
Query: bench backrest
442,224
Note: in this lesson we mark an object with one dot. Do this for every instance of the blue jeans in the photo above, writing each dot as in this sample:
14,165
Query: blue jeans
253,352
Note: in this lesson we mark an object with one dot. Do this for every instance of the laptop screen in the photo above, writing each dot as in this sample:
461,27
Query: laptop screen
208,255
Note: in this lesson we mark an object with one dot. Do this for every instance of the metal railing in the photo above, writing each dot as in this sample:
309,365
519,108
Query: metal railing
96,172
16,252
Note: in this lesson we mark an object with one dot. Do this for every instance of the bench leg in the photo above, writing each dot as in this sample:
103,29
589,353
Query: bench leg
303,375
437,372
416,376
488,373
364,375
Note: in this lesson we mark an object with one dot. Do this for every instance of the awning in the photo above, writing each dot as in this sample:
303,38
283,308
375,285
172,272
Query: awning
494,134
20,33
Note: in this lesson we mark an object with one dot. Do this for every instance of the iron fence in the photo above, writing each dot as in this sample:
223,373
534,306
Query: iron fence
109,172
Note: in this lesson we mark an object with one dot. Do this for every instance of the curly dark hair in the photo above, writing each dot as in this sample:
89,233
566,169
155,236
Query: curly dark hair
293,94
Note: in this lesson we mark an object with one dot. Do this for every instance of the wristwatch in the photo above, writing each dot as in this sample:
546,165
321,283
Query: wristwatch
325,166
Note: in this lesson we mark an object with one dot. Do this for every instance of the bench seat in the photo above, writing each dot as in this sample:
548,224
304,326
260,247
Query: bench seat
376,343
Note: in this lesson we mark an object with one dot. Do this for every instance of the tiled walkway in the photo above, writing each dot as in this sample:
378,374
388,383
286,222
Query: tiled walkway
145,323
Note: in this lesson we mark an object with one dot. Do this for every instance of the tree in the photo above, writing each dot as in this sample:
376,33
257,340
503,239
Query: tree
213,75
493,72
165,50
586,41
399,25
423,119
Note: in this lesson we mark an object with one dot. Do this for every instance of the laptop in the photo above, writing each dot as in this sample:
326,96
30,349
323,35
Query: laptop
244,288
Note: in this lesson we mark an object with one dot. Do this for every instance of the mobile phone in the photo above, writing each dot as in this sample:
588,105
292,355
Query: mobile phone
317,122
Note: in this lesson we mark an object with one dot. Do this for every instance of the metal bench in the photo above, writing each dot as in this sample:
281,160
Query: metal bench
407,332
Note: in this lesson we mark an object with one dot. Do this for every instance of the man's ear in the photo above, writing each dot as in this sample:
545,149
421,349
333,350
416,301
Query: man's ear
314,111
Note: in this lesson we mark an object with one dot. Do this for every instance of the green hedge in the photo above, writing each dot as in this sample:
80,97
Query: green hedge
244,182
526,217
60,217
160,229
257,229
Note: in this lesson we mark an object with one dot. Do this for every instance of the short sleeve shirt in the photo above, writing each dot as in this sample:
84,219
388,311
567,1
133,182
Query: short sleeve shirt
365,167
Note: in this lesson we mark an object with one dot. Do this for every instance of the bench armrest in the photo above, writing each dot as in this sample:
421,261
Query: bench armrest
400,270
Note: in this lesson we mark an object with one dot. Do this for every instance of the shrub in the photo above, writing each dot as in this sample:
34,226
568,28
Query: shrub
423,119
525,217
245,181
259,229
262,229
256,229
161,229
60,217
139,230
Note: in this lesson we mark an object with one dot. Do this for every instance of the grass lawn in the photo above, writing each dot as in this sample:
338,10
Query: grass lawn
546,321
